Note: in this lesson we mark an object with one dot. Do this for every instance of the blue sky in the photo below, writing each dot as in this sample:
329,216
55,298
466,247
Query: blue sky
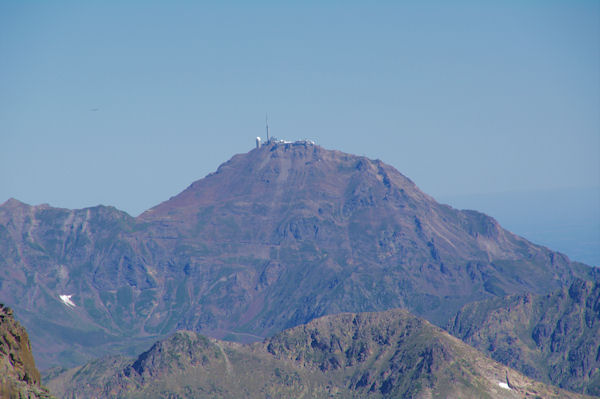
126,103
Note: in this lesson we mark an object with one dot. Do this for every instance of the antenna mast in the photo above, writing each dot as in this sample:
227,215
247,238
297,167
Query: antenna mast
267,123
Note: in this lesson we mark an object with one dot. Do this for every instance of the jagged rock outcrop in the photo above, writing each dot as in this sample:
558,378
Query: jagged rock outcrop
274,238
553,338
19,378
389,354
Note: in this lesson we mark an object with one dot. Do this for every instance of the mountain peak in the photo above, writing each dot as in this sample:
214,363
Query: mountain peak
266,174
13,203
274,238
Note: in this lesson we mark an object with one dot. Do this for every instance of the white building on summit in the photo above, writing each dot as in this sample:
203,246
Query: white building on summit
273,140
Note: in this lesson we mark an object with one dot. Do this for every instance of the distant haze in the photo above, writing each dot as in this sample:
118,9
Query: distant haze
127,104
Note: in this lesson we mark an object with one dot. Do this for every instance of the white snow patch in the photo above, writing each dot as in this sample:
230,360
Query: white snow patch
66,299
504,385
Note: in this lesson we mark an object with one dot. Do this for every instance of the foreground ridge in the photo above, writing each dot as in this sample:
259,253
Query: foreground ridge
554,338
367,355
19,378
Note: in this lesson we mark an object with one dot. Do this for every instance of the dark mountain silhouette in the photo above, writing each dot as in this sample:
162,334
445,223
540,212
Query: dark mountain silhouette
274,238
390,354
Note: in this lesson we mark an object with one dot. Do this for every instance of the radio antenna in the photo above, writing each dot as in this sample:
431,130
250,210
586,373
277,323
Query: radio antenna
267,123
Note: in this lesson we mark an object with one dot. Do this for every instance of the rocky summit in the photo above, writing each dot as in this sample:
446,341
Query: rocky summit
390,354
274,238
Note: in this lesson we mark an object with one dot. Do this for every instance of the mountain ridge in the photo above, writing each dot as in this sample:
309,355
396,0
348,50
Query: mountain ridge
366,355
272,239
554,338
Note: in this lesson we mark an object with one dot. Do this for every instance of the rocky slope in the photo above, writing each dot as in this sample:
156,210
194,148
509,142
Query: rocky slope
274,238
19,378
554,338
370,355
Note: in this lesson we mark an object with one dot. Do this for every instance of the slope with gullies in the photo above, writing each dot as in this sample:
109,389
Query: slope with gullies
553,338
274,238
388,354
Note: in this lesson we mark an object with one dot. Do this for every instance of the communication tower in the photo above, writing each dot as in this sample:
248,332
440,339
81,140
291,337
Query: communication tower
267,123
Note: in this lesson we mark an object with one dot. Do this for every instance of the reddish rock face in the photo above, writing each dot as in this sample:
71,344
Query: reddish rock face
274,238
18,375
15,347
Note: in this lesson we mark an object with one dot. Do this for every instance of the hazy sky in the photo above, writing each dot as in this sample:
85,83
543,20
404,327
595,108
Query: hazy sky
126,103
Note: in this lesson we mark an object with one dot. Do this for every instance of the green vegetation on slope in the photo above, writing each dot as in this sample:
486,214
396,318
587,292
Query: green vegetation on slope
389,354
553,338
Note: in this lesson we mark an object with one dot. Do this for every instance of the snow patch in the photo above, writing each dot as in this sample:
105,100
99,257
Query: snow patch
504,385
66,299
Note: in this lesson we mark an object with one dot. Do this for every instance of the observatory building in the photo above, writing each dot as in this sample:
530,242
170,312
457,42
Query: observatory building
273,140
